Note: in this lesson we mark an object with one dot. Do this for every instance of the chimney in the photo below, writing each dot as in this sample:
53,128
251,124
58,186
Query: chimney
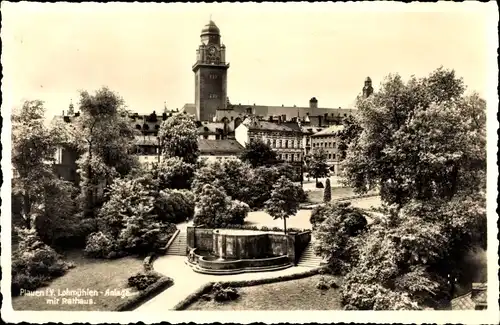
279,119
319,120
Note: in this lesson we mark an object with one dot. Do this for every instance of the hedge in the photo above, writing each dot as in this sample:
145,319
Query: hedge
206,288
162,284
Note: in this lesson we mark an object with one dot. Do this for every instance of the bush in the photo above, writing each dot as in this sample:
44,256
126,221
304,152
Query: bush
100,245
34,263
214,209
237,212
319,185
174,206
375,297
224,293
142,280
325,283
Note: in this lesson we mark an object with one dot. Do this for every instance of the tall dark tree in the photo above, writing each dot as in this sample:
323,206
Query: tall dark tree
348,134
327,194
257,153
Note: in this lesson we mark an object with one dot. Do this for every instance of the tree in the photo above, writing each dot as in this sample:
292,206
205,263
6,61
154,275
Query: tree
317,165
284,200
348,134
257,153
106,138
45,200
327,194
179,138
174,173
419,140
337,227
214,208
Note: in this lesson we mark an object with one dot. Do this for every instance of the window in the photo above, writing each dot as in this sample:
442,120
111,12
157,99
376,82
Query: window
329,156
334,144
274,143
286,156
213,96
286,143
291,157
334,156
268,142
279,143
213,76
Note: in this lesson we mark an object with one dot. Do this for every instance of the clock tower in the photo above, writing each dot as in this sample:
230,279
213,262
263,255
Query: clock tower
210,72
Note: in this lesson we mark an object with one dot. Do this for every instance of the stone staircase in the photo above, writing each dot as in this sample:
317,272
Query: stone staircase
308,258
179,245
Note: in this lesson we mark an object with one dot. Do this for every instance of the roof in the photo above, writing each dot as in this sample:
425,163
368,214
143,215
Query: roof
189,109
219,146
290,111
331,130
256,125
469,301
311,129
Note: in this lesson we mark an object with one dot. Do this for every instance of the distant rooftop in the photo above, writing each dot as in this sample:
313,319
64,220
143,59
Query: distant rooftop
208,147
331,130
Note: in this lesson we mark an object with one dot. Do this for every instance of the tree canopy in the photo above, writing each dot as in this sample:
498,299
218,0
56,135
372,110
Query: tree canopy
420,139
316,163
257,153
284,200
179,138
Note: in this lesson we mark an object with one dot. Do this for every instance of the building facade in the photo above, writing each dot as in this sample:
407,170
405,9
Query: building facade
328,140
284,138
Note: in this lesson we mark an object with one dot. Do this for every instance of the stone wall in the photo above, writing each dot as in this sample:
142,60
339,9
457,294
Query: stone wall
258,246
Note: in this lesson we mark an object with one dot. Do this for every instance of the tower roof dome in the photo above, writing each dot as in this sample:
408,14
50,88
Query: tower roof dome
210,28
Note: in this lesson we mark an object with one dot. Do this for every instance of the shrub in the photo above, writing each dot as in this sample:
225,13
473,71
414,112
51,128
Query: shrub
375,297
174,206
224,293
99,245
237,212
34,263
319,185
322,284
142,280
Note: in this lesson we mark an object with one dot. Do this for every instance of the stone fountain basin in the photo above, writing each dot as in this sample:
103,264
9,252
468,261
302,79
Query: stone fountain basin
216,264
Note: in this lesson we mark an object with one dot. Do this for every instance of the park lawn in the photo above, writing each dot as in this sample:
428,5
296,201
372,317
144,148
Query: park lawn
300,294
316,195
88,273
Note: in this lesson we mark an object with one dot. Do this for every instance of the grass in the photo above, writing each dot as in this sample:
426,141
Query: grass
316,195
300,294
92,274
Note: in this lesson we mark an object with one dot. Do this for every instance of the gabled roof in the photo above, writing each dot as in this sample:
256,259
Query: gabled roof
331,130
208,147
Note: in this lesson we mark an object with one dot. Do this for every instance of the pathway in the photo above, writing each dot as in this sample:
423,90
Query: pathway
186,281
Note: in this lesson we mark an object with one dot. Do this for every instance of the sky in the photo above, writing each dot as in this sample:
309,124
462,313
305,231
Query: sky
279,54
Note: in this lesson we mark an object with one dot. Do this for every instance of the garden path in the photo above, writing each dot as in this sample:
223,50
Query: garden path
186,281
